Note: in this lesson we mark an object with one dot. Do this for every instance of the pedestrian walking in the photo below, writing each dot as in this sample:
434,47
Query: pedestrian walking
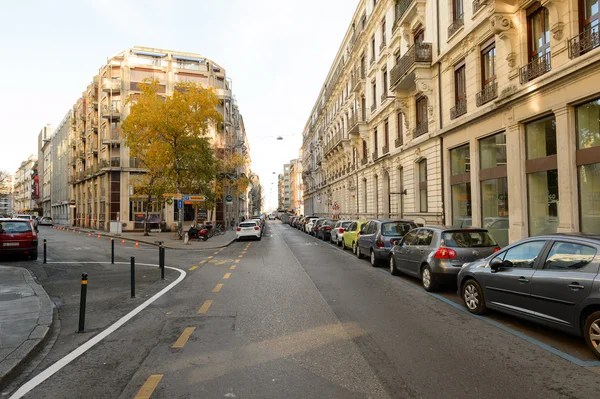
232,224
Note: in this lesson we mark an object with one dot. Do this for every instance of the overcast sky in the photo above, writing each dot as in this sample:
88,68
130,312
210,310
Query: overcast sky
277,53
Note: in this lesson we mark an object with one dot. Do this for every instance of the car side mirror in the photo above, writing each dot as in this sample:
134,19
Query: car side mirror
496,264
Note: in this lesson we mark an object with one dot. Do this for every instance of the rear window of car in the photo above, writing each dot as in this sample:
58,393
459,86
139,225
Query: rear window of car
346,225
15,227
396,228
247,224
329,222
468,239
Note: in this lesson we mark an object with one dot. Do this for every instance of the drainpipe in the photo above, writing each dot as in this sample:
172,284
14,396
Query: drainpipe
441,140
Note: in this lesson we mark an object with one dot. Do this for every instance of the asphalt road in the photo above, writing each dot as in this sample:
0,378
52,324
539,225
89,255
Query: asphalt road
285,317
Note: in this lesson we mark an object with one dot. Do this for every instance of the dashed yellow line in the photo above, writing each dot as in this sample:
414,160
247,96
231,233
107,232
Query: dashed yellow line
241,256
237,261
216,253
210,257
184,337
226,276
204,308
193,268
149,386
232,267
218,288
202,262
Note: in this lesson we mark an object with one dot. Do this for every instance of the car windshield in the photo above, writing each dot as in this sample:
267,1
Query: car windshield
14,227
396,228
247,224
468,239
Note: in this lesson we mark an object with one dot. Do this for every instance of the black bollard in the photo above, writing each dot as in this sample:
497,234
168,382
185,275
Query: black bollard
162,263
82,300
44,251
112,251
133,276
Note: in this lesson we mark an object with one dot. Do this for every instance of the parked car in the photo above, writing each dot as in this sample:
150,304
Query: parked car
32,219
18,236
46,221
300,223
436,254
351,235
324,232
552,280
338,231
271,216
315,229
249,229
378,236
310,224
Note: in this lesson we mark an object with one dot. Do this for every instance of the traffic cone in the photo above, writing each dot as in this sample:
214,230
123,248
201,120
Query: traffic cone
137,244
89,234
98,235
123,242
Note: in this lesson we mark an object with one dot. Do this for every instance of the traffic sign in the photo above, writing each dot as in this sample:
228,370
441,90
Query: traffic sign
186,197
229,198
179,204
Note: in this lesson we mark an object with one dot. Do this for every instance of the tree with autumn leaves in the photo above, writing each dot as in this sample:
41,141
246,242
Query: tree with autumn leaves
170,137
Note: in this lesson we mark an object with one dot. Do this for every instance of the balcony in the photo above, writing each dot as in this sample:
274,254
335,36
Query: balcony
372,61
584,42
373,107
478,5
401,7
535,68
135,163
456,25
358,78
112,112
115,162
384,96
421,129
382,46
385,149
356,120
111,85
81,154
489,92
335,140
223,93
374,155
402,75
113,138
459,109
399,142
363,161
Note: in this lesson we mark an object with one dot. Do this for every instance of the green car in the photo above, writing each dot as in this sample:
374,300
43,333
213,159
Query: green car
350,235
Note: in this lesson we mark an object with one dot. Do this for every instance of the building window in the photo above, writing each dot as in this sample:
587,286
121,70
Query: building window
538,26
419,35
421,125
588,165
385,85
457,10
460,180
423,185
386,135
399,129
374,91
494,186
365,151
489,87
590,15
372,49
460,91
375,143
542,176
383,40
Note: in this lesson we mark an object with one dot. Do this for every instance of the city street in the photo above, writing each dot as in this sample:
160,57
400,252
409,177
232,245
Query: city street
289,316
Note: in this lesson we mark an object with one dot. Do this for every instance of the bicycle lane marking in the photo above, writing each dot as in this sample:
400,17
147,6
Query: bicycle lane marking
54,368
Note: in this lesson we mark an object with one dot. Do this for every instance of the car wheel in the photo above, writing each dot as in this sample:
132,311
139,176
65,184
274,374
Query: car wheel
33,255
428,280
373,259
359,255
472,295
393,269
591,331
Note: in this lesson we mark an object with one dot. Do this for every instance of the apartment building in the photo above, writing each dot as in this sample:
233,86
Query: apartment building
447,112
6,196
296,194
102,172
62,155
45,170
23,201
280,192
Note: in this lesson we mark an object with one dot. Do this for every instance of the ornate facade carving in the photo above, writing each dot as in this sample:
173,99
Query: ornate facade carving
500,23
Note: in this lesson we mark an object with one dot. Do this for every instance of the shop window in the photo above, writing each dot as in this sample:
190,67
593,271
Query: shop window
588,165
423,186
460,181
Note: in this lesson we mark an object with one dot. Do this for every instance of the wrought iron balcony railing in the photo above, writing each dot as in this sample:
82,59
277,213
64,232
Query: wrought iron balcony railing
385,149
456,25
535,68
398,142
363,161
374,155
419,52
373,107
478,5
489,92
588,40
421,129
459,109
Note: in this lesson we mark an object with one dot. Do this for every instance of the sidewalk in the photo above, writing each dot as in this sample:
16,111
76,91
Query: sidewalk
169,239
25,321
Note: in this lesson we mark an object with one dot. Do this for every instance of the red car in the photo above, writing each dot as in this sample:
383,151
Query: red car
18,236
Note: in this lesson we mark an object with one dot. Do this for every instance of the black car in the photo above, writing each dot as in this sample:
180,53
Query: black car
316,227
324,232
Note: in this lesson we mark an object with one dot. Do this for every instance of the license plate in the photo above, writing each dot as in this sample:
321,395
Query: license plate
10,244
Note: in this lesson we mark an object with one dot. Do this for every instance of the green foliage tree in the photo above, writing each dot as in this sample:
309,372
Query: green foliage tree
170,138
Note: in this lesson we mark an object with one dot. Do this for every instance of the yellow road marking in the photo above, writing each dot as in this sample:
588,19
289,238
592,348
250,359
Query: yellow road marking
183,338
205,306
193,268
226,276
243,252
149,386
237,261
218,288
232,267
241,256
216,253
210,257
202,262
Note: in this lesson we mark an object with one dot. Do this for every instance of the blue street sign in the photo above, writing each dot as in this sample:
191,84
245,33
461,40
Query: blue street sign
186,197
180,204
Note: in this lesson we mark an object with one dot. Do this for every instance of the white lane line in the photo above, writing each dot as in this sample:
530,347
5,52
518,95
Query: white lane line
50,371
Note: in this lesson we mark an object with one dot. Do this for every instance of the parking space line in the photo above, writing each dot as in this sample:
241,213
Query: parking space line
184,337
149,386
205,306
232,267
217,288
226,276
193,268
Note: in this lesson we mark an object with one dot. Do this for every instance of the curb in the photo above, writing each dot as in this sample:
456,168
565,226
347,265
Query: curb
16,362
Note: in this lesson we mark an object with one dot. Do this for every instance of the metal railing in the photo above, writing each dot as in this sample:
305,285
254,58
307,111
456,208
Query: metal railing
478,5
363,161
372,60
421,129
382,45
584,42
419,52
456,25
535,68
374,155
385,149
399,141
374,107
114,137
489,92
355,119
134,163
400,8
384,96
115,162
460,108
